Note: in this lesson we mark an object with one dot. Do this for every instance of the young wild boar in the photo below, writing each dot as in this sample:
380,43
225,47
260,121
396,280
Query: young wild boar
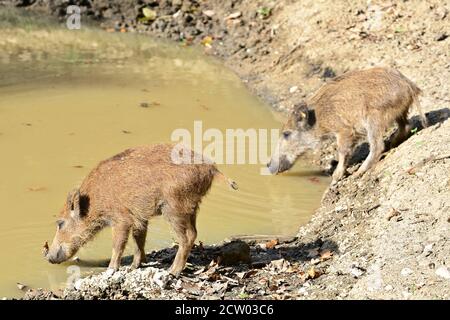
358,103
124,192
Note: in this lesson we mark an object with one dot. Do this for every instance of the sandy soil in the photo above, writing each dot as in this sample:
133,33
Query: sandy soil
385,235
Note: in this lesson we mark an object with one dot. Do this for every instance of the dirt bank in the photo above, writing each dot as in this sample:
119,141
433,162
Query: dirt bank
385,235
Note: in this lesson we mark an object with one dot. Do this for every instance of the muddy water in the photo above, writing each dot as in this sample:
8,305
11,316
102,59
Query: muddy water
63,108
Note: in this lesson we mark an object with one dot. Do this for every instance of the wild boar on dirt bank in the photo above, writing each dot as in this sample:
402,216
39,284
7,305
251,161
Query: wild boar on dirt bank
124,192
354,105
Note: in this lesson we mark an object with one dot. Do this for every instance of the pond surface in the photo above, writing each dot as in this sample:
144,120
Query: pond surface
69,99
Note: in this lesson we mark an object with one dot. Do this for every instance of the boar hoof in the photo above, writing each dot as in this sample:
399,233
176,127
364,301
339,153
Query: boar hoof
175,273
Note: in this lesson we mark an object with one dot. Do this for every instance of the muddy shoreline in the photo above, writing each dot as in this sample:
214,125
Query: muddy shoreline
384,236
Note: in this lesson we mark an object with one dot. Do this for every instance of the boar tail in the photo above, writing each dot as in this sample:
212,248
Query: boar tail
417,92
423,118
222,177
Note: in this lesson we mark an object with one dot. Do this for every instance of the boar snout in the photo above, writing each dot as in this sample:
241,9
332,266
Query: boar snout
279,166
56,254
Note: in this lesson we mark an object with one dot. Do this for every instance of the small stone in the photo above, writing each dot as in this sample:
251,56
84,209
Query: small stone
234,15
109,272
443,272
234,253
303,291
388,288
209,13
293,89
356,272
428,249
406,272
77,284
442,37
161,278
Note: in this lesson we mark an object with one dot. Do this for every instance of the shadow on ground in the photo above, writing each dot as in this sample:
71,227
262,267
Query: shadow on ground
254,252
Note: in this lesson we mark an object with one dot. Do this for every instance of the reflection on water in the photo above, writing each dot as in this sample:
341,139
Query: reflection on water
64,107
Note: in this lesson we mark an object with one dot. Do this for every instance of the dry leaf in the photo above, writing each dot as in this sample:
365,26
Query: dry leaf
209,13
325,255
313,273
21,286
392,213
271,244
234,15
207,41
149,14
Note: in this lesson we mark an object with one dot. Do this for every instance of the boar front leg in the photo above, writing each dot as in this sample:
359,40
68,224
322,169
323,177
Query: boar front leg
186,231
120,234
375,137
139,236
345,142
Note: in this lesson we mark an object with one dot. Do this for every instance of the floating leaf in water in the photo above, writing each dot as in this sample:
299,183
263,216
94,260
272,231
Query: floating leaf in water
126,131
314,180
149,104
33,189
78,166
22,286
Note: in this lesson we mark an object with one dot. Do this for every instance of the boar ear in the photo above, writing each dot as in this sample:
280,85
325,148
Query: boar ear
300,111
304,116
73,203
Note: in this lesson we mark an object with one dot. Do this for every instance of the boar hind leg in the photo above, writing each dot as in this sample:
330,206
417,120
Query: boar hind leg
375,137
120,237
139,236
402,131
186,231
345,142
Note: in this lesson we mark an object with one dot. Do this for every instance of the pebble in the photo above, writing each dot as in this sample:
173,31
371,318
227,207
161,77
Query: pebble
161,278
356,272
406,272
293,89
388,288
443,272
109,272
428,249
303,291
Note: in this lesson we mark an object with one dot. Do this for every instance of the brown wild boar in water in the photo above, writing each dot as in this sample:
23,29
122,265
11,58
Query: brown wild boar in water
124,192
358,103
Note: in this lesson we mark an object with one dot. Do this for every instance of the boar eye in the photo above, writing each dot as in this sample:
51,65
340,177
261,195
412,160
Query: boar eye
286,134
60,224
